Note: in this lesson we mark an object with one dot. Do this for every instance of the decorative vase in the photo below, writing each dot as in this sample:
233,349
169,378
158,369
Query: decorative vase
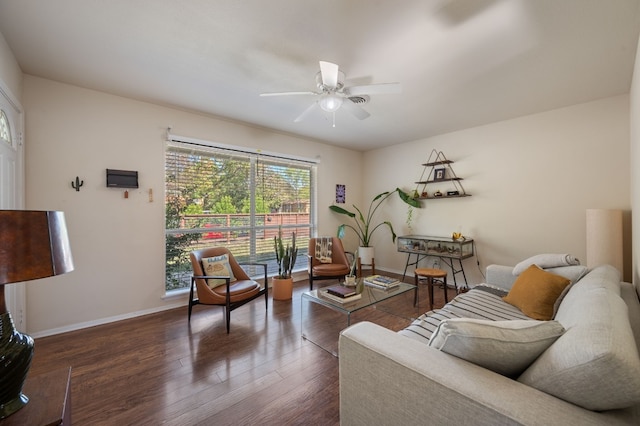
366,255
350,280
16,352
282,288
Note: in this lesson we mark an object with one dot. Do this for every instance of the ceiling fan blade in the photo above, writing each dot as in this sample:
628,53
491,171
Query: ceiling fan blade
288,93
355,109
306,112
329,73
375,89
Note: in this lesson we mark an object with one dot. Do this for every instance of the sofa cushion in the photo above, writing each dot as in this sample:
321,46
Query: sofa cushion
506,347
595,363
536,291
217,266
546,260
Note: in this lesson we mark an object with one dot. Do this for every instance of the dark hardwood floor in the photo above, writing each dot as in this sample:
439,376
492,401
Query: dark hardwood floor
159,369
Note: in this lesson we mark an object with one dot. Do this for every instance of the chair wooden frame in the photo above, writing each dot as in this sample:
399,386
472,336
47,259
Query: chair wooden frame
234,294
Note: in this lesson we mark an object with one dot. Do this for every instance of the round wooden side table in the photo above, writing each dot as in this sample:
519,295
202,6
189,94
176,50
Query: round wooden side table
432,276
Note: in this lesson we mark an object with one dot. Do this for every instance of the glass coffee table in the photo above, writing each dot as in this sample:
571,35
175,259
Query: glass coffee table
323,318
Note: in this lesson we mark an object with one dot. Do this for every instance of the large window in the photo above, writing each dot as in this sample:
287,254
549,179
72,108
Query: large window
225,196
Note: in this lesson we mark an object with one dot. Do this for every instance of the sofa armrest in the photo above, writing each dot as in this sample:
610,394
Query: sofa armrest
501,276
389,379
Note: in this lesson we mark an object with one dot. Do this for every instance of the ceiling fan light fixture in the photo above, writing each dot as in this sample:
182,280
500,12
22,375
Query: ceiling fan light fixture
330,102
333,95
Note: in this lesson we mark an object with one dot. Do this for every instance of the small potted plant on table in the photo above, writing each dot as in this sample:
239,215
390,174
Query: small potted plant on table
350,280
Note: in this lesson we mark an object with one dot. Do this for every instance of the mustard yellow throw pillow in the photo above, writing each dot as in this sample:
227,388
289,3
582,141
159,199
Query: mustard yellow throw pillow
535,292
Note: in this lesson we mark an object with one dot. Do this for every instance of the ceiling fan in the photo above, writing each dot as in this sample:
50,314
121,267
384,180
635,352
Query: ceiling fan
333,95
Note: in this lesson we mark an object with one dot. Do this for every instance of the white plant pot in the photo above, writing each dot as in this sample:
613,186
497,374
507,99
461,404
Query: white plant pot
350,280
366,255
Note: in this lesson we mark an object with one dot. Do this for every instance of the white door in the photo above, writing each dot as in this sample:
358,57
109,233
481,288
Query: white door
12,185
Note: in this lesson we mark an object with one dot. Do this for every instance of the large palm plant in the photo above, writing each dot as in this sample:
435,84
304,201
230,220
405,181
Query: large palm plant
364,228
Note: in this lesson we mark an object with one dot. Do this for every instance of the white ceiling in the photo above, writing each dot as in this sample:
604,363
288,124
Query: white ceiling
461,63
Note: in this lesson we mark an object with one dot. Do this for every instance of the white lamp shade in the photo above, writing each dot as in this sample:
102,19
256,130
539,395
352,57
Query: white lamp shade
330,102
604,238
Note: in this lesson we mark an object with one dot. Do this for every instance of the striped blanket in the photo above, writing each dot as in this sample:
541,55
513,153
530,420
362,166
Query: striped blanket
481,302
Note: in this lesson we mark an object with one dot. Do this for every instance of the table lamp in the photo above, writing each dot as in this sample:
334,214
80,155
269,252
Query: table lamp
33,245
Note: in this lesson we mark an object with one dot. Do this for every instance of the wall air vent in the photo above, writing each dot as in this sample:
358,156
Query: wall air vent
362,99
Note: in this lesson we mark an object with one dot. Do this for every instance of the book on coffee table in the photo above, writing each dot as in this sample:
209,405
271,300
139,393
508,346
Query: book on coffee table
325,293
341,291
380,281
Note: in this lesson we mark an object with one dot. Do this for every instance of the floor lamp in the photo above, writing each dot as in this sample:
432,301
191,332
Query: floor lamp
33,245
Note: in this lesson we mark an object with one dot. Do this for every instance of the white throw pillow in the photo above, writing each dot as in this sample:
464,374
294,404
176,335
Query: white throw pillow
544,261
217,266
573,273
506,347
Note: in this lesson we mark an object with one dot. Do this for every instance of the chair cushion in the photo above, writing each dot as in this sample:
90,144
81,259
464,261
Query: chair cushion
217,266
330,269
535,292
506,347
239,290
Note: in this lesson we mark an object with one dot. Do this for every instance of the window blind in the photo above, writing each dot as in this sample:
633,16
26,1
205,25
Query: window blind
219,196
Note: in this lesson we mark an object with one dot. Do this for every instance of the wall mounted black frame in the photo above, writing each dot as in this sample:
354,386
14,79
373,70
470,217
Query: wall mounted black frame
122,178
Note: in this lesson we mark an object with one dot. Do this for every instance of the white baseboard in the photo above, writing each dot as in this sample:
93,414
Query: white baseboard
101,321
179,296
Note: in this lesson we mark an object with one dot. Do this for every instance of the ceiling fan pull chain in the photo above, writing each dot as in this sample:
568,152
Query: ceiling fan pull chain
334,118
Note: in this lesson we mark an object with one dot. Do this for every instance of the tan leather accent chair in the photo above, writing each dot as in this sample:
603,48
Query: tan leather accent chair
231,295
338,268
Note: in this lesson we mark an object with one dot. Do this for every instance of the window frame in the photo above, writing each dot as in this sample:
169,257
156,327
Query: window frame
255,157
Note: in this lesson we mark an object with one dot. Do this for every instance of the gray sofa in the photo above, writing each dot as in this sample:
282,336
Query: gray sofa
590,375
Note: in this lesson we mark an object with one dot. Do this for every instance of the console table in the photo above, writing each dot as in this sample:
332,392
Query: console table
447,249
49,401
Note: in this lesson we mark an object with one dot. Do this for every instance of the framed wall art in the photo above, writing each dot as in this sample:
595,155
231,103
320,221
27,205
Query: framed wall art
341,194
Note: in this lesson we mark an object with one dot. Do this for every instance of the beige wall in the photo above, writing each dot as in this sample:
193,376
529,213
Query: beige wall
531,180
10,72
117,243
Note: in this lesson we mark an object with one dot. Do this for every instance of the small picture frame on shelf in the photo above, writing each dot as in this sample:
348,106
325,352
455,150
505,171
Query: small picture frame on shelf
438,174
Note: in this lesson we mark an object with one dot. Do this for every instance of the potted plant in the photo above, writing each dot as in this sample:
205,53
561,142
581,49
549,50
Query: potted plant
364,226
286,258
350,280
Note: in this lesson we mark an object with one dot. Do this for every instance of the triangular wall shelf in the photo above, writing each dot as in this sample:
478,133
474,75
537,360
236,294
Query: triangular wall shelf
438,170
